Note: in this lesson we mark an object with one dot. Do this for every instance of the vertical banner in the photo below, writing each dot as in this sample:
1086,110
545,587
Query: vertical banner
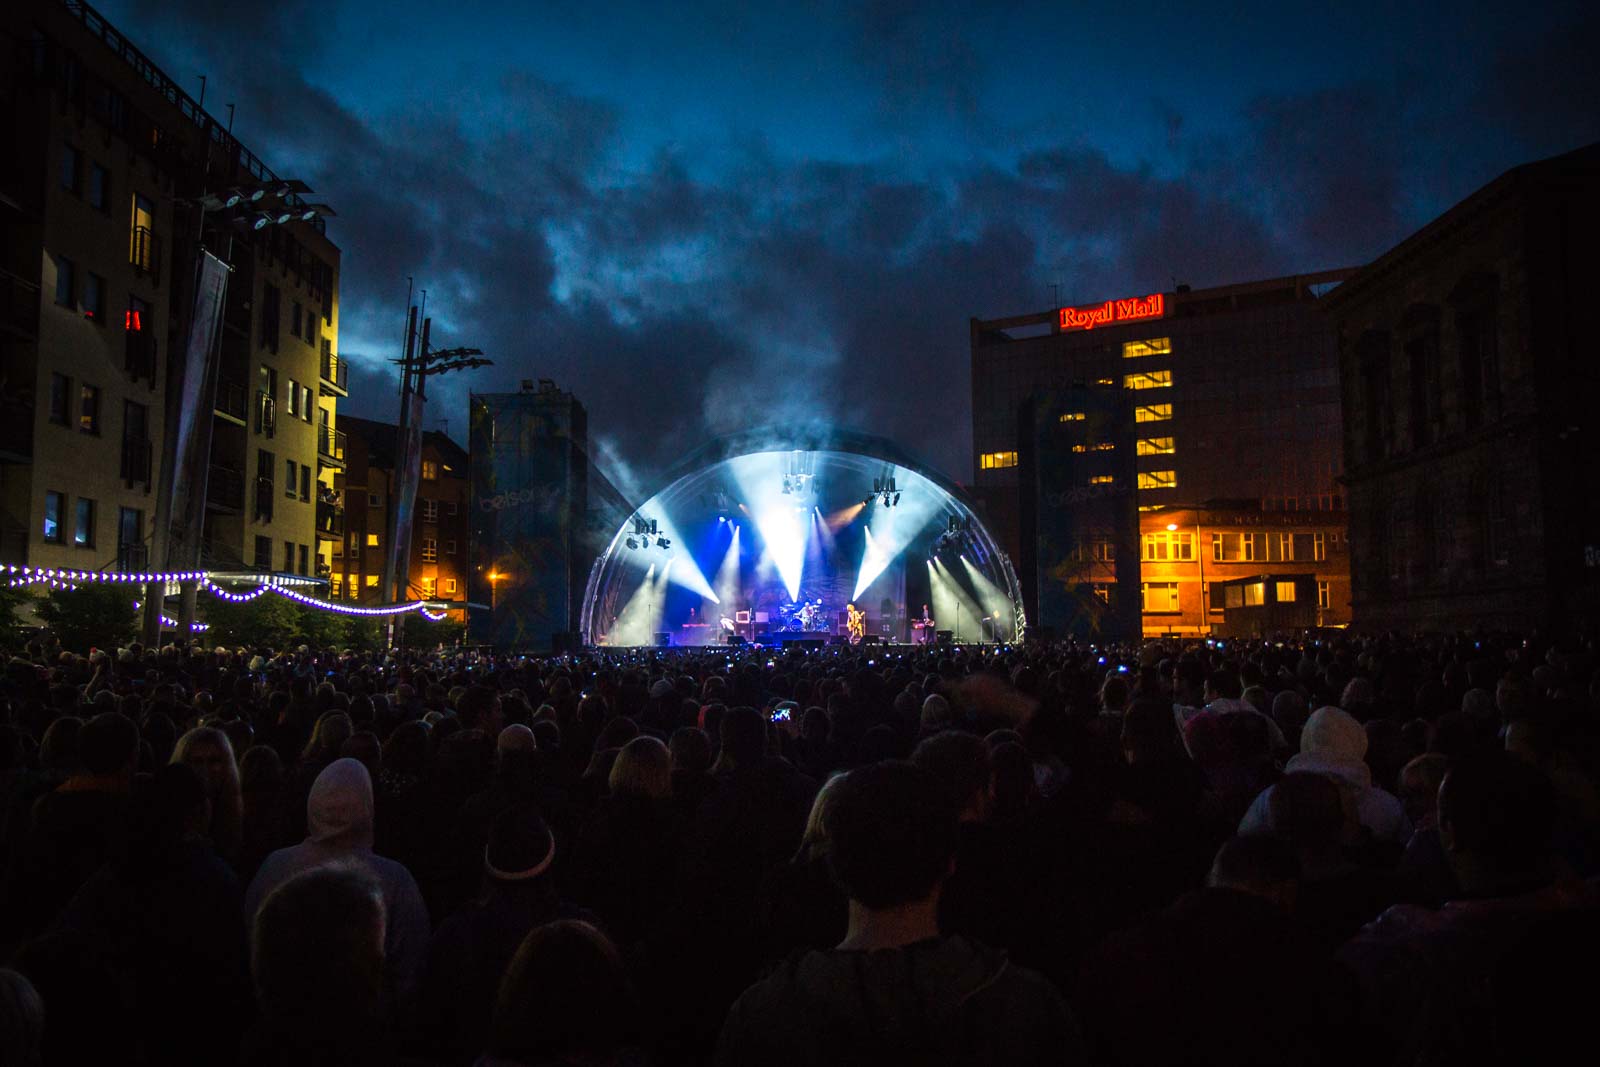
192,453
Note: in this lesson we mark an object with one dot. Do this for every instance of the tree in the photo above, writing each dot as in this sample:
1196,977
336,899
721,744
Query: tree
93,615
268,620
12,597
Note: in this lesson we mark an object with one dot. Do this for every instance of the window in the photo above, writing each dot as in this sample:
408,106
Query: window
94,297
453,509
130,537
1319,547
99,187
263,557
430,550
335,586
1156,446
289,477
430,510
1160,598
294,398
1149,379
66,282
449,548
1152,413
430,588
372,581
430,470
141,237
311,328
1155,346
1255,594
71,168
83,524
1255,547
305,560
994,460
89,409
1103,550
294,318
1073,416
1096,446
372,540
1285,592
305,402
60,392
305,482
450,586
1167,545
1102,479
1158,479
271,315
1102,592
1215,596
374,500
54,504
1323,598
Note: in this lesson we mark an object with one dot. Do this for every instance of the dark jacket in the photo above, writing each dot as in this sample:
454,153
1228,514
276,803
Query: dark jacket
945,1000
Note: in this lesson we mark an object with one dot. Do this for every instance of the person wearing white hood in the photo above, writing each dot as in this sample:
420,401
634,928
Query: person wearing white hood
339,820
1334,744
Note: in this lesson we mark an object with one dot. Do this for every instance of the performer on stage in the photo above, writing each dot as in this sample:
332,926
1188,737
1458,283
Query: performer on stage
924,627
856,623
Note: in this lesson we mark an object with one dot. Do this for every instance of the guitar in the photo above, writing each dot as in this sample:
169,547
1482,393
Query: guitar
855,623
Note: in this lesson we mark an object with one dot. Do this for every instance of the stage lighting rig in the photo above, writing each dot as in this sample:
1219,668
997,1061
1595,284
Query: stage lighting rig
663,542
631,543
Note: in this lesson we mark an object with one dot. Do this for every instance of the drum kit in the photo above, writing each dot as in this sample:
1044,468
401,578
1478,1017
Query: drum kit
806,616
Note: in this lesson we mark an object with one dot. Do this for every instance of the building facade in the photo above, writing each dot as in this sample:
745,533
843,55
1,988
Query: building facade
103,176
362,502
1469,372
1236,402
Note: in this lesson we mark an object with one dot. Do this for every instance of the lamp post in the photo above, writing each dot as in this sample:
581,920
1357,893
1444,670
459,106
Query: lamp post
1200,563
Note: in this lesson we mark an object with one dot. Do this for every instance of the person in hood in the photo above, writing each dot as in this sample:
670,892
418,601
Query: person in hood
1334,745
339,821
895,990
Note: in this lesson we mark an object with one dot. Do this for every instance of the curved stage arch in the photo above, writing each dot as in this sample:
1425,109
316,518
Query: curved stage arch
771,534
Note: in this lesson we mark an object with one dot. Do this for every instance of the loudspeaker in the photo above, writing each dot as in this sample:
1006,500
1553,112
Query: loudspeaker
872,639
664,639
945,637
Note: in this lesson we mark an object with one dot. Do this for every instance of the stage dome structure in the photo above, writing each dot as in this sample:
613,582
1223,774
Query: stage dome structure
771,536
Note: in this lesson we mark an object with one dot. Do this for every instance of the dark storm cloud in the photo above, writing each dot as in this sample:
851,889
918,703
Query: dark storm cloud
680,300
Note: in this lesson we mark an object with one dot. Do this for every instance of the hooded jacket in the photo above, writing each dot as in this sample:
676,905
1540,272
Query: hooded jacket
339,823
1334,745
945,1000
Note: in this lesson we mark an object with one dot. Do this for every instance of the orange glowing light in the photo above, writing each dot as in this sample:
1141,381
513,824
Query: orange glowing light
1133,309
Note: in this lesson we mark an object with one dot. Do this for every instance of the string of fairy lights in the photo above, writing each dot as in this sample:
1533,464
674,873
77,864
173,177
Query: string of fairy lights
65,578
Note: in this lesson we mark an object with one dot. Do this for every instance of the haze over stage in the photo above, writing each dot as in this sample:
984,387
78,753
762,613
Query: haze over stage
791,529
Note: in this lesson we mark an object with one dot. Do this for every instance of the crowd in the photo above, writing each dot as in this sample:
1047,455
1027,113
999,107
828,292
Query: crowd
1369,850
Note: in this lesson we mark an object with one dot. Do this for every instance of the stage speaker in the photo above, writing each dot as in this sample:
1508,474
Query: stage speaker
872,639
945,637
664,639
735,640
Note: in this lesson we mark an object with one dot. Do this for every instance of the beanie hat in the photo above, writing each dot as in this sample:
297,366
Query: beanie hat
1334,734
520,845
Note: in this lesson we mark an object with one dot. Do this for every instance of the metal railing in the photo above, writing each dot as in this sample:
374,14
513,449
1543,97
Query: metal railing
266,414
19,305
136,453
145,250
330,519
330,443
335,371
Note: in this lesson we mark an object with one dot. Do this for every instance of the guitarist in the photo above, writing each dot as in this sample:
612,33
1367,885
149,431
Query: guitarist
856,623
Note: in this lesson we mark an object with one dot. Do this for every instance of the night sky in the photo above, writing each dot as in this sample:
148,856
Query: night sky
705,217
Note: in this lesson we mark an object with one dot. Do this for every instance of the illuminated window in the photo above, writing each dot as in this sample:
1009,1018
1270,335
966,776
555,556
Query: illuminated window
430,586
1158,479
1286,547
1097,446
1156,446
1105,381
1152,413
335,586
992,460
430,550
430,470
1155,346
1160,598
1164,545
372,540
1255,594
372,581
1323,599
1101,479
1073,416
1102,593
1285,592
450,585
1319,547
1149,379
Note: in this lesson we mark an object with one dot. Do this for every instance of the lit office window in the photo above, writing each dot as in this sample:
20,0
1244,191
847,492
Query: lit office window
1158,479
1156,446
1101,479
1286,592
1323,599
1255,594
1155,346
1160,598
1152,413
992,460
1149,379
1096,446
1073,416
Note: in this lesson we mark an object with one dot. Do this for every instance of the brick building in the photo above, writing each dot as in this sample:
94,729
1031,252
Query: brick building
1469,373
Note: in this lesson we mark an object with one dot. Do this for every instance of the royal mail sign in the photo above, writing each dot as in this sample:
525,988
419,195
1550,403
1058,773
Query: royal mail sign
1133,309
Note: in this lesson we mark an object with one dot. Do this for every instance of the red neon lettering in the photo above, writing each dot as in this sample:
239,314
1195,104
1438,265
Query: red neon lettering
1132,309
130,321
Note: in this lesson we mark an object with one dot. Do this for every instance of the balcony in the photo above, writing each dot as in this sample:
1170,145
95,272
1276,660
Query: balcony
330,518
264,499
266,414
139,354
231,402
144,251
19,306
330,444
335,373
136,452
225,489
133,558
